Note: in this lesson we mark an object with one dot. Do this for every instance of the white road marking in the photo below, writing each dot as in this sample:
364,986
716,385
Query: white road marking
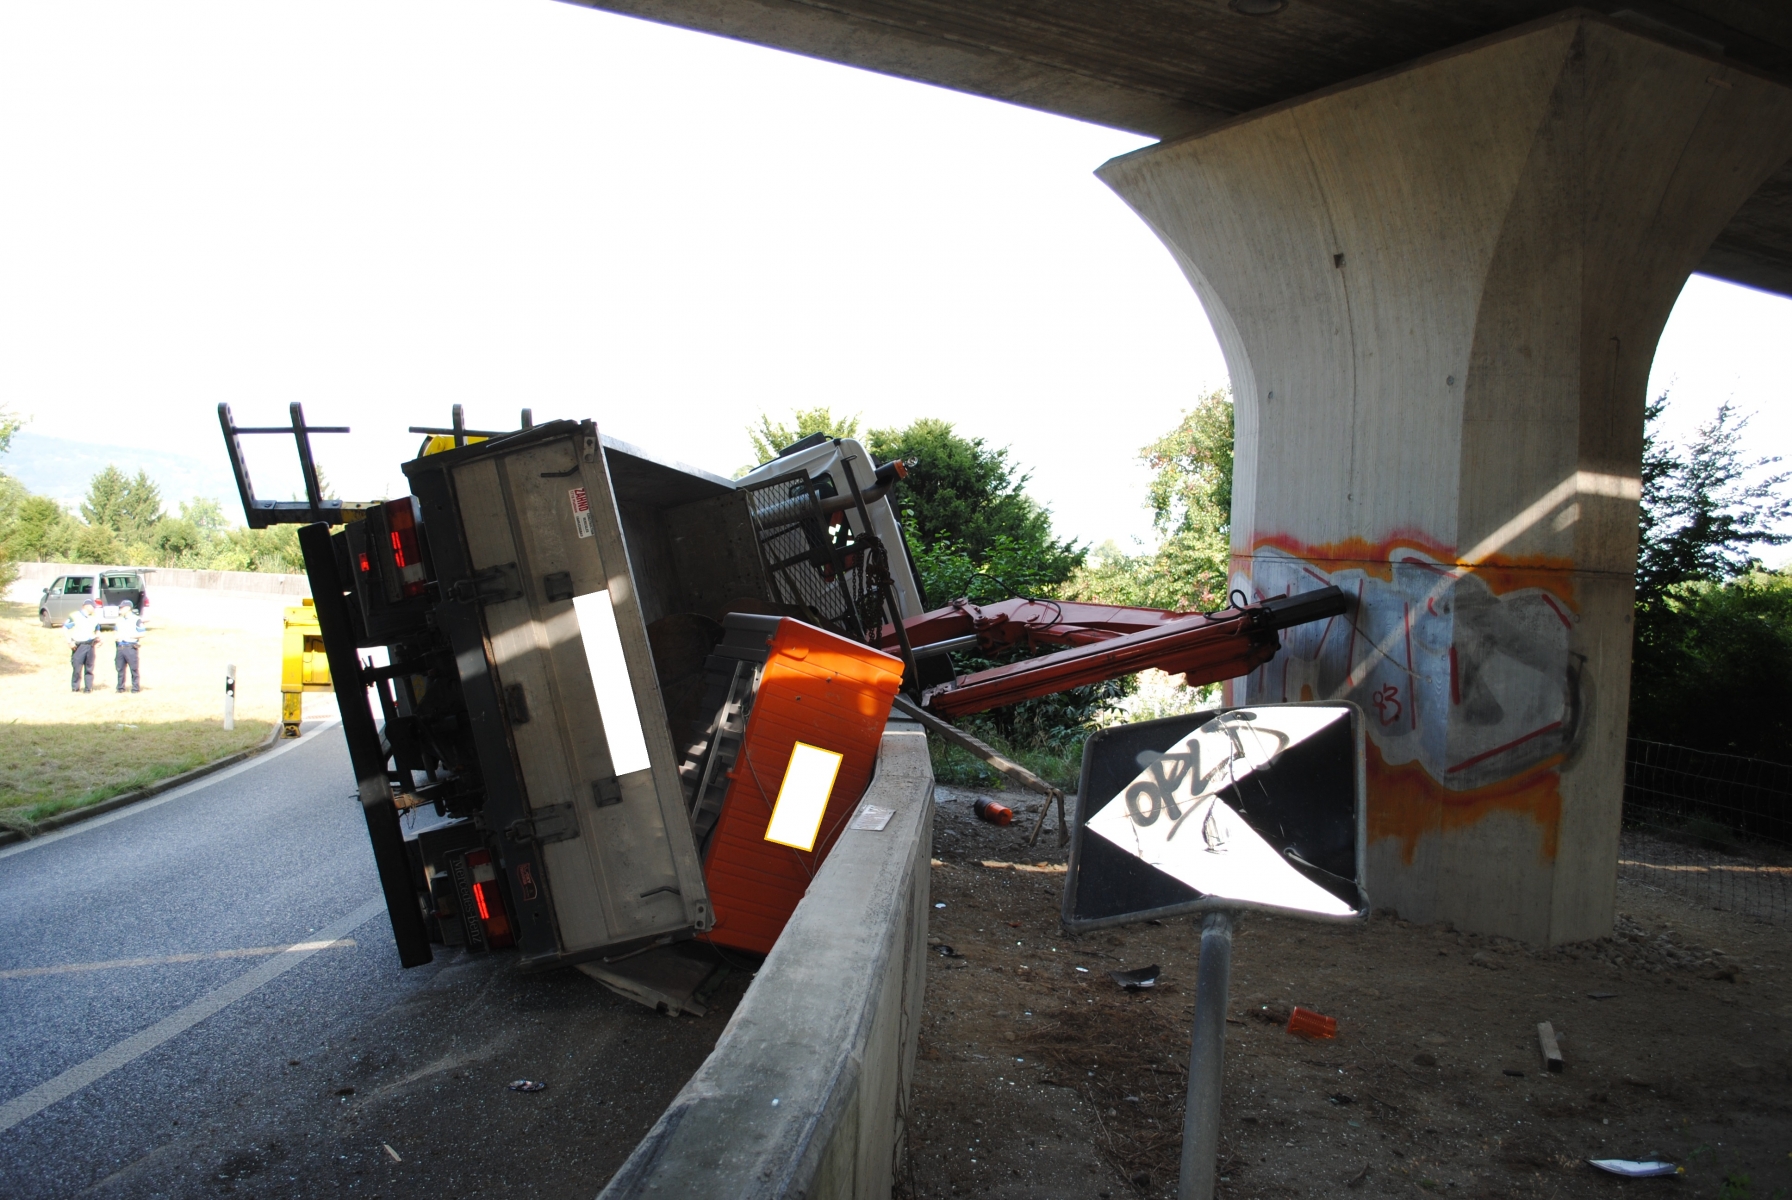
31,1103
160,959
186,789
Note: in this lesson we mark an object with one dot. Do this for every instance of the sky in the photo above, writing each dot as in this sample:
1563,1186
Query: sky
385,207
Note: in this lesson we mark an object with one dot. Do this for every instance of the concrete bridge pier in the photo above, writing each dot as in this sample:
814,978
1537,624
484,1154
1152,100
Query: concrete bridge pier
1439,290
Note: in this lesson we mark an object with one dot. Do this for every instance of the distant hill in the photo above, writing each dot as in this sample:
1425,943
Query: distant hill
60,468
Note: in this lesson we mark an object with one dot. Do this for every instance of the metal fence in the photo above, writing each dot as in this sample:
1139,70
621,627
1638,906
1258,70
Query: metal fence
1716,828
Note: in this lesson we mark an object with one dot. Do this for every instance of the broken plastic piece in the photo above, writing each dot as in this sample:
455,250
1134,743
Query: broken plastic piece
1304,1022
1137,980
528,1085
995,814
1632,1168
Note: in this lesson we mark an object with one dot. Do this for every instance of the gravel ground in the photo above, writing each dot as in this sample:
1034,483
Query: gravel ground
1039,1077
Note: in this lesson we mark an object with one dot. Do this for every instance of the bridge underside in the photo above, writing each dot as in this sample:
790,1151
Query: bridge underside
1438,244
1167,68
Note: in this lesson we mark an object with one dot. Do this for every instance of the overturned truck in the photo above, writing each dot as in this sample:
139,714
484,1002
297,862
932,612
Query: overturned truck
597,702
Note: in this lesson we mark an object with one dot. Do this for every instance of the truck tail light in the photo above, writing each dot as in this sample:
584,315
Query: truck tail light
407,552
488,900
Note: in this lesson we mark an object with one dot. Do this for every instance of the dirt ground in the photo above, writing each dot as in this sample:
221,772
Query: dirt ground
1039,1077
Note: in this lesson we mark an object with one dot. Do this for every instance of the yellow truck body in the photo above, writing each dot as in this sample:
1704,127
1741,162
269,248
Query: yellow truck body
303,667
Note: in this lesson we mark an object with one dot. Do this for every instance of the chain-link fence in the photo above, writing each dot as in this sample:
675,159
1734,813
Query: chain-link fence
1716,828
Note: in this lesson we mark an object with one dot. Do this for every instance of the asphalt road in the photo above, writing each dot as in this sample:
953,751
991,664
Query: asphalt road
123,1073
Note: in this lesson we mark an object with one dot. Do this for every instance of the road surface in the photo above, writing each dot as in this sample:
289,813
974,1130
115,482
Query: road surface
199,995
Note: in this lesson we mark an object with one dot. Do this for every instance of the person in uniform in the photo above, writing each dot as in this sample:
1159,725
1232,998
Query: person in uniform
127,632
83,633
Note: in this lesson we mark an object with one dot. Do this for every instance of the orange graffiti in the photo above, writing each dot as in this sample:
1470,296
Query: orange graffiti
1406,803
1500,572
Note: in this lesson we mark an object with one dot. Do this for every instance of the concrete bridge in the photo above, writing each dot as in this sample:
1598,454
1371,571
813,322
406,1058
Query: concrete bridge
1438,244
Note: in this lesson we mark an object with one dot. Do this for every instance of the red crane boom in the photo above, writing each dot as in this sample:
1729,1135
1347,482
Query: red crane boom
1102,641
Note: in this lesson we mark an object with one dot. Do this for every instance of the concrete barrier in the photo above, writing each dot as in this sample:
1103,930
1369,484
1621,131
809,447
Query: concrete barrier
39,574
806,1093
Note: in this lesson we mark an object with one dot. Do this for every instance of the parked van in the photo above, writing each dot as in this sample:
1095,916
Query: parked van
105,589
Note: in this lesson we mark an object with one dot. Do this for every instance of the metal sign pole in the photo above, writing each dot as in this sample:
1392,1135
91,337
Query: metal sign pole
1206,1059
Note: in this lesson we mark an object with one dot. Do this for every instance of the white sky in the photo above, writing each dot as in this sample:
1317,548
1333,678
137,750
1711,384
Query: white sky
384,207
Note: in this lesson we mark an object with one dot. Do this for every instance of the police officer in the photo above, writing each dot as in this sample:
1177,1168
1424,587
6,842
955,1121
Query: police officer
128,631
83,633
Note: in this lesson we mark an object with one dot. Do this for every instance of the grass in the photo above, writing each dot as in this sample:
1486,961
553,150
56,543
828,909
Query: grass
50,769
1060,763
61,751
955,767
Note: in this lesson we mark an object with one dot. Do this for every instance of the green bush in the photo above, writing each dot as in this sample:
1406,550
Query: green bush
1713,667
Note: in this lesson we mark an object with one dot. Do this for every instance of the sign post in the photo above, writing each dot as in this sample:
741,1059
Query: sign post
1216,813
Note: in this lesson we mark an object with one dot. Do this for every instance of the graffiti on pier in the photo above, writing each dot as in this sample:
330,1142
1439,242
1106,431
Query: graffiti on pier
1472,692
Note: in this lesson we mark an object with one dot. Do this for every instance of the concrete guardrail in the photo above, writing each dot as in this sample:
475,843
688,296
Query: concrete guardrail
806,1093
40,574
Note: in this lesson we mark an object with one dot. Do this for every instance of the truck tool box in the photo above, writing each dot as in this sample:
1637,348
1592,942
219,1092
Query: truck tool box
799,715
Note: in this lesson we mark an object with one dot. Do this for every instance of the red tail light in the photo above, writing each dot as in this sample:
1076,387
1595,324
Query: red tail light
407,552
488,898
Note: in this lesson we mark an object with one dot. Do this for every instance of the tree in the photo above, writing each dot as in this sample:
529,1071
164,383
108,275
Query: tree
1191,489
1700,517
767,439
1708,640
1190,497
42,532
10,424
12,495
964,506
273,549
205,513
1709,623
97,544
128,507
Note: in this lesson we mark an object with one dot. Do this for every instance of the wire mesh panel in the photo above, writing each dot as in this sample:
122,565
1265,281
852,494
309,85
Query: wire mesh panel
1716,828
814,559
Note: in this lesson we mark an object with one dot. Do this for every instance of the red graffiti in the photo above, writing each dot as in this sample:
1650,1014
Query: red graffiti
1387,703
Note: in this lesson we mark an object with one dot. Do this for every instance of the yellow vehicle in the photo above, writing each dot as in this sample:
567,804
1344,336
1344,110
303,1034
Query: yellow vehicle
303,667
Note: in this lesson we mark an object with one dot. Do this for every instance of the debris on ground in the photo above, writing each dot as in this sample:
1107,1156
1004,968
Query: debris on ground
995,814
1304,1022
528,1085
1635,1168
1037,1078
1552,1051
1136,980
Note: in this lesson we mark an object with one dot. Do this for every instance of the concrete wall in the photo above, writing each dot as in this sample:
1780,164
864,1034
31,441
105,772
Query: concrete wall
1438,292
37,575
805,1093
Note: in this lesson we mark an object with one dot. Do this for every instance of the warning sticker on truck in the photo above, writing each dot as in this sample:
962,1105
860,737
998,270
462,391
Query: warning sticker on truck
581,511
